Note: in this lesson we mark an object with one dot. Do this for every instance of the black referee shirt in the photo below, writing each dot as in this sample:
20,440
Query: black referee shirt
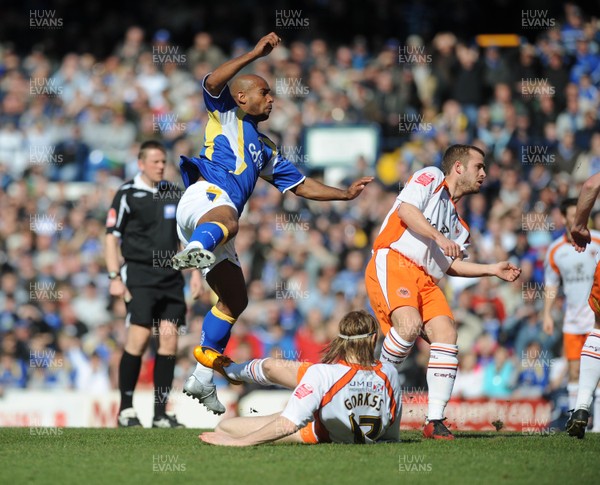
144,219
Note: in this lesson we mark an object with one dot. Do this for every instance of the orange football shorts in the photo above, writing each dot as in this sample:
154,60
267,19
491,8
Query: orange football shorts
394,281
572,345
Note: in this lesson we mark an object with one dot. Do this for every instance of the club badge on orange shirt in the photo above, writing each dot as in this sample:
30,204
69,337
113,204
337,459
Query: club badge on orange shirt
425,179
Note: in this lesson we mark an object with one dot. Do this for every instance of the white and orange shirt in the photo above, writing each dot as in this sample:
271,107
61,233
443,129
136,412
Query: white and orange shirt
428,191
576,273
348,403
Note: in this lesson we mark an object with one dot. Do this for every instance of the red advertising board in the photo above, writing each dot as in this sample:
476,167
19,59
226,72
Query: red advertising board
479,414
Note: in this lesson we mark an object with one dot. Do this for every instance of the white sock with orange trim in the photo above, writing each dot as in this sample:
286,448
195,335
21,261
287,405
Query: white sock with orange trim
589,370
441,374
572,390
395,349
250,371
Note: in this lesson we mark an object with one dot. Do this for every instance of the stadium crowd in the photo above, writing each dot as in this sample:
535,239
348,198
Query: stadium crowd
70,130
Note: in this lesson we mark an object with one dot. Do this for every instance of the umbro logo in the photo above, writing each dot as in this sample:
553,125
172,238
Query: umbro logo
140,194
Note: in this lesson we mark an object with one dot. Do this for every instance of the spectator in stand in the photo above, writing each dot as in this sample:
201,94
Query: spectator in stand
533,372
566,154
112,91
469,379
498,375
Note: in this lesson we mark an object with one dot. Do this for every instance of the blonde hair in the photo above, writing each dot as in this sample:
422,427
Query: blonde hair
354,340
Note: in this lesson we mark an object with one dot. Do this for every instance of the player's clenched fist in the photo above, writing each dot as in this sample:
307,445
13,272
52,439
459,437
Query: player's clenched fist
267,44
581,237
449,247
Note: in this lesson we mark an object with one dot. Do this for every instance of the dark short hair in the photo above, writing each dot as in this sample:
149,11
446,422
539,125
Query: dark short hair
565,204
457,152
148,145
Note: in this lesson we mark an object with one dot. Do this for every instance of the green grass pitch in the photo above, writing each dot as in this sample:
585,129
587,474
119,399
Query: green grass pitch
141,456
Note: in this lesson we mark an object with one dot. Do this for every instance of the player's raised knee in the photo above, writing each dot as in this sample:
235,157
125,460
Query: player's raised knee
268,366
239,305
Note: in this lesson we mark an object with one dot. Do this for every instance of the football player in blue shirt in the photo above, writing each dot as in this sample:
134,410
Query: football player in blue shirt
219,183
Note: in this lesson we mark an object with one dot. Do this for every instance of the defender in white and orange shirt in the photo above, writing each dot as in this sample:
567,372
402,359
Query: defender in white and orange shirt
575,271
589,367
422,239
349,398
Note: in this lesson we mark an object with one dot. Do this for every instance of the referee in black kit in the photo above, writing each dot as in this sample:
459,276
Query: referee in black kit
142,218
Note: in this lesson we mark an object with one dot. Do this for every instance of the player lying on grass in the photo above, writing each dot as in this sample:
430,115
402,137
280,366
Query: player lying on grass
348,398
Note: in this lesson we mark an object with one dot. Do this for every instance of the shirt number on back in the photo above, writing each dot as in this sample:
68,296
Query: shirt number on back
374,422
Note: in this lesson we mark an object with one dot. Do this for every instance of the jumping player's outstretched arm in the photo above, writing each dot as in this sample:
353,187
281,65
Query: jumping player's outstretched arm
580,232
315,190
217,80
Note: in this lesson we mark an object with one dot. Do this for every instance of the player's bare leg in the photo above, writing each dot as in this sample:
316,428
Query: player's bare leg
441,373
282,372
227,281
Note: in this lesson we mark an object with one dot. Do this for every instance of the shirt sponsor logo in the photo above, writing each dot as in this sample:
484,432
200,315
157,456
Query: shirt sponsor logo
377,387
256,153
403,292
139,195
360,385
425,179
304,390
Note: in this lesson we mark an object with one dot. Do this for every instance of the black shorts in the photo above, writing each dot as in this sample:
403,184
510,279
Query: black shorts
149,305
